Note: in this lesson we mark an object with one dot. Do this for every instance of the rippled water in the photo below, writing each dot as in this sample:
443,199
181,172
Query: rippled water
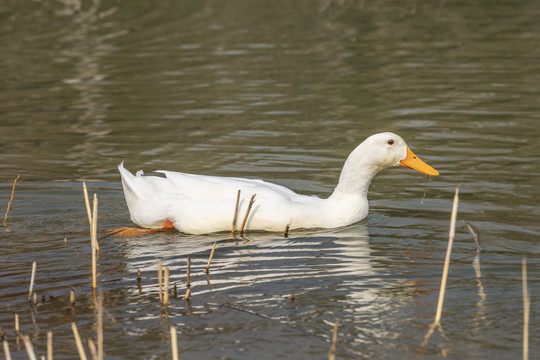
281,91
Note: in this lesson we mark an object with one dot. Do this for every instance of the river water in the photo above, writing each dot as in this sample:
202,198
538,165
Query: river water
283,91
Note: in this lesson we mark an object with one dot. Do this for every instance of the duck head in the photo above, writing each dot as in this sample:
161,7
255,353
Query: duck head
388,149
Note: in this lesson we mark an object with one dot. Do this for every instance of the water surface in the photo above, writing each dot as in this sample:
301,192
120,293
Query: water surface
281,91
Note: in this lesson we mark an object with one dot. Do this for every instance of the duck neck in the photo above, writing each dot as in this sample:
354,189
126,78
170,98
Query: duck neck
356,176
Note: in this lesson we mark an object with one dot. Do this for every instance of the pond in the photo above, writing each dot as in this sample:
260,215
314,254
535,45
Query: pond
280,91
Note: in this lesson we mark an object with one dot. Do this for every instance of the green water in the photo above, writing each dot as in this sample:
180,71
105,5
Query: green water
281,91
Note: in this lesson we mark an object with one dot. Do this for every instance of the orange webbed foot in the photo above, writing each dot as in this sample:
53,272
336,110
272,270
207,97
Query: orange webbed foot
131,232
134,232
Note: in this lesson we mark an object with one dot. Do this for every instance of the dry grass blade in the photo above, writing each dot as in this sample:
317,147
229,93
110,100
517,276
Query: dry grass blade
11,198
188,294
235,213
526,310
251,201
174,343
29,347
7,354
444,278
78,341
210,258
32,280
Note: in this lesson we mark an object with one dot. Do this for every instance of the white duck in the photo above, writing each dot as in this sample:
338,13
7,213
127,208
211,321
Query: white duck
199,204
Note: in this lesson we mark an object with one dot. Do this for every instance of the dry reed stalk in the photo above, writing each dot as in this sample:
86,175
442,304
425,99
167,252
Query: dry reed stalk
78,341
188,294
174,343
32,280
332,351
11,198
188,275
17,324
160,280
235,214
138,277
72,297
89,213
49,346
94,242
210,258
251,201
451,235
29,347
100,328
526,310
35,299
286,232
6,350
166,289
93,349
87,202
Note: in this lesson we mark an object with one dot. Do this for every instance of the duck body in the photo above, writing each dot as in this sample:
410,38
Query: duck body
198,204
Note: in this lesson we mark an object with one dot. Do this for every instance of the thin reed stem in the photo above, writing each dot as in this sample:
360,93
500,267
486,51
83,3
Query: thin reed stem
174,343
160,280
93,236
332,351
210,258
78,341
451,235
87,202
93,349
49,345
90,216
286,232
188,275
166,289
34,265
29,347
100,327
235,213
526,310
251,201
6,350
11,199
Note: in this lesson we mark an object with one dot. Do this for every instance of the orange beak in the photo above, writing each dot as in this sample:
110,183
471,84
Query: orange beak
412,161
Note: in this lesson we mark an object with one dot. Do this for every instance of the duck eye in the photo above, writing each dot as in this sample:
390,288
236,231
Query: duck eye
390,142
